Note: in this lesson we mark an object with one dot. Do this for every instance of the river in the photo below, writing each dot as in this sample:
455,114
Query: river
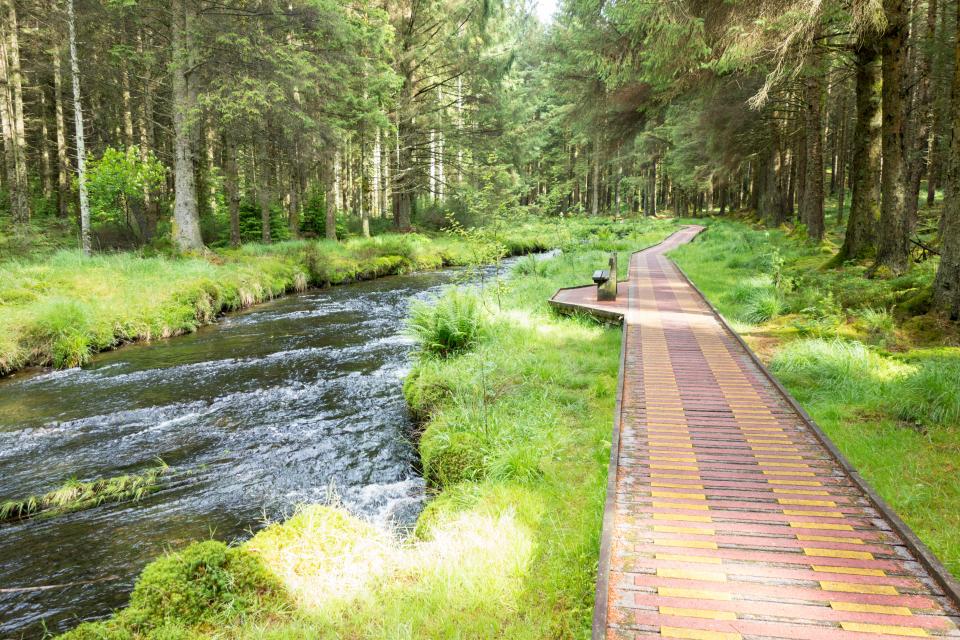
294,401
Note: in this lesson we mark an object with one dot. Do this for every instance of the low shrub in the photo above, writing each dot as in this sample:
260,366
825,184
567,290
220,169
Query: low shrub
448,324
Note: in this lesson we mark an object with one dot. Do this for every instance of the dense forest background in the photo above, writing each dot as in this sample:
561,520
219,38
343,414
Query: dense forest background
182,124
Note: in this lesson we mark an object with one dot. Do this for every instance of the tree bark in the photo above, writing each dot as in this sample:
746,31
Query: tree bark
946,285
85,241
232,184
860,239
63,159
893,246
11,46
186,232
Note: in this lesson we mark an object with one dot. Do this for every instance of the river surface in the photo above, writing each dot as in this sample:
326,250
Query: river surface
290,402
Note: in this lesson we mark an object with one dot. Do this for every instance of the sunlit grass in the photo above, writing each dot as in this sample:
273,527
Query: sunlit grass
62,308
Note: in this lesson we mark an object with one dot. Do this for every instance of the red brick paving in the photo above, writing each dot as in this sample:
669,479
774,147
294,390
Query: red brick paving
732,520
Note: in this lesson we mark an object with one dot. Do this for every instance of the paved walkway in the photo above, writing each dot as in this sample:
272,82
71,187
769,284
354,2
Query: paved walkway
728,516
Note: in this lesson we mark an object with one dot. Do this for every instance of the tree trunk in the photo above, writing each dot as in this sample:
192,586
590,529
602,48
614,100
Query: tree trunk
78,130
186,232
595,186
893,246
812,204
262,170
45,155
841,164
946,285
11,46
145,131
331,200
63,159
232,184
860,238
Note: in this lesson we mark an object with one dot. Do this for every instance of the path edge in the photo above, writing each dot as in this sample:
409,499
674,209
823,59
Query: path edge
933,565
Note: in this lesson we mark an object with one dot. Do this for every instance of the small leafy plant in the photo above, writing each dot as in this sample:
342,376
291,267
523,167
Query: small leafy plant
448,324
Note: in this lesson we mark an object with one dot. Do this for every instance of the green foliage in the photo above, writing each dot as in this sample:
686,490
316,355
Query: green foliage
118,182
204,582
448,324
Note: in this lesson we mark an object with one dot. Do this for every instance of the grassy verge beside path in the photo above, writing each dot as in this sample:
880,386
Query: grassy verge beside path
515,444
881,379
60,309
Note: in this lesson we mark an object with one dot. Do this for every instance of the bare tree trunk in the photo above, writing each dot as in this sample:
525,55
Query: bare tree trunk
11,47
46,158
78,127
376,176
812,204
232,183
262,170
364,212
946,285
595,185
861,232
893,247
145,130
63,160
186,232
332,199
841,163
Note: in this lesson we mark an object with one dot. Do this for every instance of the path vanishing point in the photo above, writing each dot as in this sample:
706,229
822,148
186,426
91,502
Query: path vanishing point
729,514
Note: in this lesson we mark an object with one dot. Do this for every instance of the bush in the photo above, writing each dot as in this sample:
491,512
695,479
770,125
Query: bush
447,325
204,581
931,396
877,322
530,266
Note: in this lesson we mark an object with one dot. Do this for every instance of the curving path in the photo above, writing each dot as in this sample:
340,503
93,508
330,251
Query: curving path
729,514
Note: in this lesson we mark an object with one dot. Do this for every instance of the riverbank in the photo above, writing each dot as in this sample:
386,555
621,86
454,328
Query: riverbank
515,445
880,377
59,310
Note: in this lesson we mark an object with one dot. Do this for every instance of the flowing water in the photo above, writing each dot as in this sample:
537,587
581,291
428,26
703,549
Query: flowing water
287,403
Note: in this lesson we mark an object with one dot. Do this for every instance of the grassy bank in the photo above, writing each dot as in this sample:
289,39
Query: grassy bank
515,443
880,377
60,309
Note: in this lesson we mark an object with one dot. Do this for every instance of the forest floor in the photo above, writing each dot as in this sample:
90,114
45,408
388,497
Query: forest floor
58,307
515,445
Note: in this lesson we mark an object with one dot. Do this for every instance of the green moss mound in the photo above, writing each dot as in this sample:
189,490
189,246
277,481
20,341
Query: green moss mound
205,581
